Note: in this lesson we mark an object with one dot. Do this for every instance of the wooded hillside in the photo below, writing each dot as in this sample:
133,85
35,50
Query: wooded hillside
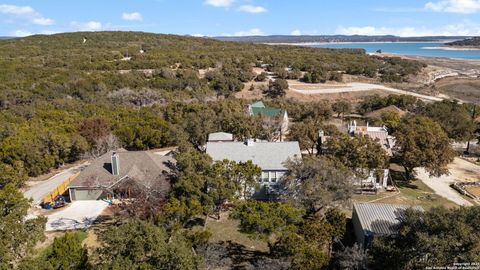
90,66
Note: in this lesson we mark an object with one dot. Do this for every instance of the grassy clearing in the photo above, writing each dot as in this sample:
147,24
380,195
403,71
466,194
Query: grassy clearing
226,230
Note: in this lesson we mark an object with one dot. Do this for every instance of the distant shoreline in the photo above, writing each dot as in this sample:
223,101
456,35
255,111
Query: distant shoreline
452,48
351,42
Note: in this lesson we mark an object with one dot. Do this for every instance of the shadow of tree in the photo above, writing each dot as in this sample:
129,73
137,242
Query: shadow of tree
230,255
406,184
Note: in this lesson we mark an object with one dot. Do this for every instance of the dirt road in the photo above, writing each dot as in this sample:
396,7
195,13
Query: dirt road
359,87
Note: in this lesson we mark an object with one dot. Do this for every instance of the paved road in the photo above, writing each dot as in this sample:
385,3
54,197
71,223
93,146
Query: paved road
362,87
40,190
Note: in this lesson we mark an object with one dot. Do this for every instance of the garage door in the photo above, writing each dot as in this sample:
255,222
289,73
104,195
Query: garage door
77,194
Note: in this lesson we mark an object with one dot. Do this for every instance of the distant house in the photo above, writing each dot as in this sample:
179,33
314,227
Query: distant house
377,219
269,156
259,109
220,137
112,170
377,133
377,114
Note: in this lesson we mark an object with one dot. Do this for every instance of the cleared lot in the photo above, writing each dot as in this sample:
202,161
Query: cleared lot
77,215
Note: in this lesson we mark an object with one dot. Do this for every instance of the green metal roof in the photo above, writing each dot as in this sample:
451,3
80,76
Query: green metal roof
267,111
258,104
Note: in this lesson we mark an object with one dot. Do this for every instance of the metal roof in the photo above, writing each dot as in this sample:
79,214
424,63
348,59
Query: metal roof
258,104
267,111
220,136
380,218
267,155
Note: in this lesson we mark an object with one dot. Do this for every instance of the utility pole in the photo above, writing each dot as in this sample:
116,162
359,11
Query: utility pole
473,122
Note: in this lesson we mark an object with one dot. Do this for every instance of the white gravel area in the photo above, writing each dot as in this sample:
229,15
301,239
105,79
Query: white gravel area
77,215
361,87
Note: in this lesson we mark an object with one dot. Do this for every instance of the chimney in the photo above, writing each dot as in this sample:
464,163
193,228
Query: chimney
115,164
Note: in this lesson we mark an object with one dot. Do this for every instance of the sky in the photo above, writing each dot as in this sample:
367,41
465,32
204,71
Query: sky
243,17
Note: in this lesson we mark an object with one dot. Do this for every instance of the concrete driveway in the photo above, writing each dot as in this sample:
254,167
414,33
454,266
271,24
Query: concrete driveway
77,215
40,190
460,171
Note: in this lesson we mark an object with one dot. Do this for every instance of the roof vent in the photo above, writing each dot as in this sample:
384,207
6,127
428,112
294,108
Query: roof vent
115,163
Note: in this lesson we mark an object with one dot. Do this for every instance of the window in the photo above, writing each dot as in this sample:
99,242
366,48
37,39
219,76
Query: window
273,177
264,177
280,175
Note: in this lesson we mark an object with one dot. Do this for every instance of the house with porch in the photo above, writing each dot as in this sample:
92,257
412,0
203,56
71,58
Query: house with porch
376,179
269,156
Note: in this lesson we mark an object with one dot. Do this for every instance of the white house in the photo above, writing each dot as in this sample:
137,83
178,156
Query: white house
269,156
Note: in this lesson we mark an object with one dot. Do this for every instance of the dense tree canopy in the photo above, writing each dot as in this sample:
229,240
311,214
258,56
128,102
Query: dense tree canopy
436,237
317,183
18,235
421,142
455,119
142,245
360,153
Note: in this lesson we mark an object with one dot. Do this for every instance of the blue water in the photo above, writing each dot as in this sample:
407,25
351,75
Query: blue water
416,49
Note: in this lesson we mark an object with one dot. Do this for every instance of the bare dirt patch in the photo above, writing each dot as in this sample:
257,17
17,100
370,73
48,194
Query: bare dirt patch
467,89
474,190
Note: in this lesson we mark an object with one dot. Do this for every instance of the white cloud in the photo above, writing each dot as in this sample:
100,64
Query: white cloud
220,3
454,6
43,21
251,32
134,16
296,33
16,10
87,26
25,13
252,9
461,29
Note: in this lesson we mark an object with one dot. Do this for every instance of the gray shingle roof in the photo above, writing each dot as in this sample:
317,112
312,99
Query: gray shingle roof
220,136
379,218
267,155
137,165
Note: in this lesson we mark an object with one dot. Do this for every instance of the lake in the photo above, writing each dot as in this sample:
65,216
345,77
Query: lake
413,48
